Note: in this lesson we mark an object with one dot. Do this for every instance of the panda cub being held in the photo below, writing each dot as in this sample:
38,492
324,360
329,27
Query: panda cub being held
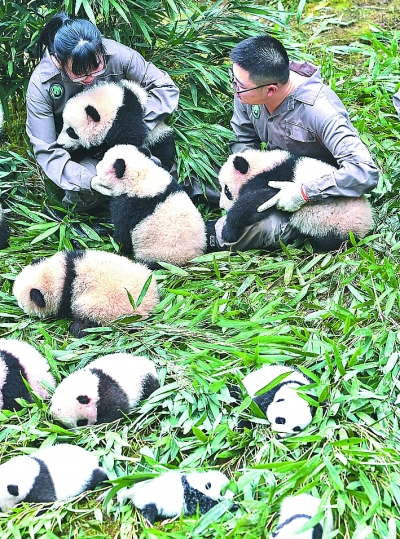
174,493
104,390
153,216
91,287
326,224
54,473
283,406
112,113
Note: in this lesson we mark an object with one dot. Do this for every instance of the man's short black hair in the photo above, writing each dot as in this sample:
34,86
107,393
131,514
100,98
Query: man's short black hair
264,58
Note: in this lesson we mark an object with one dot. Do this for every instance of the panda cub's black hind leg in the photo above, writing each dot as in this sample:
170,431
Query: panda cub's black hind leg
79,326
328,243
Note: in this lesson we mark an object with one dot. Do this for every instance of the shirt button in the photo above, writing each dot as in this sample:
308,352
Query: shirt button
270,119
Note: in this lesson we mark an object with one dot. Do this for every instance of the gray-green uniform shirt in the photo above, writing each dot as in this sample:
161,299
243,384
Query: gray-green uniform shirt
49,89
311,121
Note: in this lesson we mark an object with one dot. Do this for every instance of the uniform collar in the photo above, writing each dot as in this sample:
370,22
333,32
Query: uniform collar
309,90
48,70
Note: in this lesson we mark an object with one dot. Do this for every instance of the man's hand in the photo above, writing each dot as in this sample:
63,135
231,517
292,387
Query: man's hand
291,197
98,186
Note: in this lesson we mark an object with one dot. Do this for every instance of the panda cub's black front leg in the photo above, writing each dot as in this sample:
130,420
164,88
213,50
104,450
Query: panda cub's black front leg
78,327
150,512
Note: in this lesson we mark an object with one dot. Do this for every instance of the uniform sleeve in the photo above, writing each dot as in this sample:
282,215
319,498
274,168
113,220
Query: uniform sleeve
163,92
54,160
243,128
357,174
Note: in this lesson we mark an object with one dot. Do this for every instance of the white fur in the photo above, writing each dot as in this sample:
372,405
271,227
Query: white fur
166,491
99,290
160,132
108,97
175,231
34,364
70,468
337,214
287,403
127,370
303,504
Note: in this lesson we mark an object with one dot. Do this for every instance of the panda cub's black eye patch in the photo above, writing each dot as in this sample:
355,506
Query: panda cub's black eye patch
83,399
208,486
119,168
82,422
280,420
71,133
13,490
228,193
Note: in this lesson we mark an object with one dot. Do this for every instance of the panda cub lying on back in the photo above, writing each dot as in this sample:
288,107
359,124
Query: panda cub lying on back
153,216
244,183
111,113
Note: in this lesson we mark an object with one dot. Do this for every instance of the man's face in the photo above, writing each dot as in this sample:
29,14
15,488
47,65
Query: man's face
252,94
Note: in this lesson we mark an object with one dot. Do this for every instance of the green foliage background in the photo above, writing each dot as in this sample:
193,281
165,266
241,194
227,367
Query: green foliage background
336,315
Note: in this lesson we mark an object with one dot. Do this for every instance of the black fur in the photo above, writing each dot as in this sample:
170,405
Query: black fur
127,212
97,477
149,385
194,498
128,126
164,149
4,234
150,513
65,310
252,194
43,487
13,386
113,402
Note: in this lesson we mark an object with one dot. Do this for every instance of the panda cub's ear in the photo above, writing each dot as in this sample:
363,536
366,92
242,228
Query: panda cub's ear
240,164
37,297
119,168
92,113
83,399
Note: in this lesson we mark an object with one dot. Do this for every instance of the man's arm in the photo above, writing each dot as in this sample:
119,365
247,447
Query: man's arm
243,128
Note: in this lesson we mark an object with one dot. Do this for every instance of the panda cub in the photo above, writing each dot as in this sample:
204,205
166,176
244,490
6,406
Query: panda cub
55,473
111,113
173,493
91,287
244,186
104,390
295,512
20,360
284,408
153,216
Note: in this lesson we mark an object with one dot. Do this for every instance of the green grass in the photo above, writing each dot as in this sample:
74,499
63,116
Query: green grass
334,315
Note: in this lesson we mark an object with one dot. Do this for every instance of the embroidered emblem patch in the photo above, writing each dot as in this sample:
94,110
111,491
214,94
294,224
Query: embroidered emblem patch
256,111
56,91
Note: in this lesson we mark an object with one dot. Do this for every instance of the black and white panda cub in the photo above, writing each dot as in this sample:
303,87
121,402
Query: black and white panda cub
112,113
54,473
20,360
105,390
284,408
244,187
173,493
153,216
295,513
89,286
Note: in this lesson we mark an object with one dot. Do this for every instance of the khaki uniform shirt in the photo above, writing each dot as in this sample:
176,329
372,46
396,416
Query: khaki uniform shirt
311,121
49,89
